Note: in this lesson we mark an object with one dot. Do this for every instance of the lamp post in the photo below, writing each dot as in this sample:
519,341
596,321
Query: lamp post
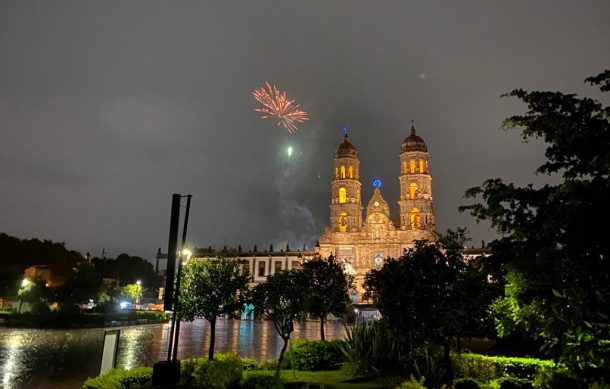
25,287
186,254
174,332
167,373
139,292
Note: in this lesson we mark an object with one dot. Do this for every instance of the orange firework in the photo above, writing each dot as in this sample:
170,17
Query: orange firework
275,104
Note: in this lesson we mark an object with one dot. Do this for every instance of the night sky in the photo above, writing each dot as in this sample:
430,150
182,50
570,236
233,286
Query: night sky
109,107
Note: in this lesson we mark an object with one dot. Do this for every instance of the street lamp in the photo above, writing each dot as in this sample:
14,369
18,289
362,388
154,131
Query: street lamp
139,290
25,287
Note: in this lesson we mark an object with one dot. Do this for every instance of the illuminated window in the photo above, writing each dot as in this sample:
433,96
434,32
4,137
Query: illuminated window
342,195
421,166
342,171
412,166
351,172
414,220
412,190
404,167
343,222
261,268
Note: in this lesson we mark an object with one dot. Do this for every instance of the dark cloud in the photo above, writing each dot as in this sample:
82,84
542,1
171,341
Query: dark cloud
106,108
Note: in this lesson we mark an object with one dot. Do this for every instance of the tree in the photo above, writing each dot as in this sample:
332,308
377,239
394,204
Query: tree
555,240
430,295
327,289
209,289
132,291
82,285
281,299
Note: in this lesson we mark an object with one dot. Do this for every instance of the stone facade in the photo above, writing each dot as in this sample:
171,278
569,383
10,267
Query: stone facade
363,246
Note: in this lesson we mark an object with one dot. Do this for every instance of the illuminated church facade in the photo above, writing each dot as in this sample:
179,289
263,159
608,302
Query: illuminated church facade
362,243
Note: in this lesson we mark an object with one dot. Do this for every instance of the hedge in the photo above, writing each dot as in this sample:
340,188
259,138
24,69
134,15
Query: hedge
225,371
314,355
486,368
120,379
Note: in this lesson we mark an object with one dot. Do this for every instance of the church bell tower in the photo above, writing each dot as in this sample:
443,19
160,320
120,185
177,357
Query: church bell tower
416,188
346,208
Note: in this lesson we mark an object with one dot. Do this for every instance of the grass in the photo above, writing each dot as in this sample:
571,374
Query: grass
327,379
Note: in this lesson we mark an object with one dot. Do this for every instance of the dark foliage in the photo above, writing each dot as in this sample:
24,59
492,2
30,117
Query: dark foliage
555,247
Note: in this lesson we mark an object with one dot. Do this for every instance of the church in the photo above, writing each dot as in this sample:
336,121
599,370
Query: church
362,244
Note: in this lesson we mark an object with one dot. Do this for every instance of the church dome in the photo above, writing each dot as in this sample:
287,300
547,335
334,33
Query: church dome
346,150
413,143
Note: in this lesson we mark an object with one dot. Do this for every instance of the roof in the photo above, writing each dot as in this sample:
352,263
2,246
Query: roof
413,143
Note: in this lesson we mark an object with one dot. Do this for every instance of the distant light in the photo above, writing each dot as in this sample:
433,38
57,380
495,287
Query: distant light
138,282
25,282
123,304
289,151
377,183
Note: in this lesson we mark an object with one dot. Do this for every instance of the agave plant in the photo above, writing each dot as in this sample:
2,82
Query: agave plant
372,349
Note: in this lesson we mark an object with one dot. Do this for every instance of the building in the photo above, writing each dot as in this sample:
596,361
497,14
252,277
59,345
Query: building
363,244
38,273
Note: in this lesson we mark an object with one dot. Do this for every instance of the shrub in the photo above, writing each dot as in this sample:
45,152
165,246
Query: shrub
259,381
412,383
250,364
372,349
514,383
426,364
466,383
225,371
120,378
315,355
557,378
486,368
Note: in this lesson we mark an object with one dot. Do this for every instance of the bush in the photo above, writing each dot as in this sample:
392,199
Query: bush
486,368
466,383
315,355
514,383
429,364
372,349
557,378
412,383
225,371
259,381
121,378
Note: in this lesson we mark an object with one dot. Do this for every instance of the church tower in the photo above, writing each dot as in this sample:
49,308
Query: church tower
345,208
416,189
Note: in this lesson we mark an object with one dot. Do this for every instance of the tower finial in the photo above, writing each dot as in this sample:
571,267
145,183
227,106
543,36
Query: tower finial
412,126
345,129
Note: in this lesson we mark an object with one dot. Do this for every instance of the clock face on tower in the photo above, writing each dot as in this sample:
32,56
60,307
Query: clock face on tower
376,203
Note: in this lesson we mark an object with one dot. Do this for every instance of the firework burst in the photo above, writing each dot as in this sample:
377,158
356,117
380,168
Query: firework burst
275,104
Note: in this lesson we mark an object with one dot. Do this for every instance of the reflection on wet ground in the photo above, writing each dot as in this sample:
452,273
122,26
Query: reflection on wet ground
32,358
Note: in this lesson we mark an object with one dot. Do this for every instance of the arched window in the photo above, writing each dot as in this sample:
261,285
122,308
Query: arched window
343,222
342,196
336,172
412,190
412,166
342,171
414,220
421,166
351,172
404,167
